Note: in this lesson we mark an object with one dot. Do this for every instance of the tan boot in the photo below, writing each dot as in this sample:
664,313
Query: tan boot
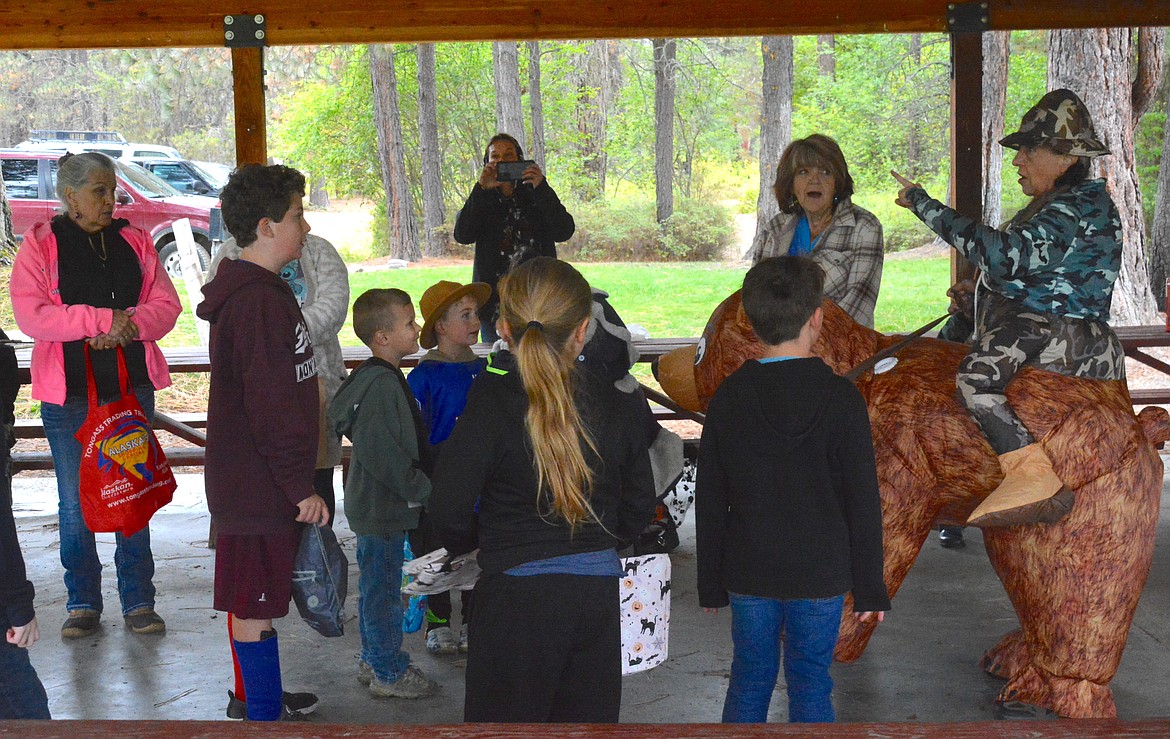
1030,492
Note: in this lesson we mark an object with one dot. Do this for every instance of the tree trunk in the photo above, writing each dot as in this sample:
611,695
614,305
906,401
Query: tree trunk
775,123
7,238
1095,63
826,56
1159,246
435,242
665,68
596,87
318,194
506,69
995,74
388,124
913,136
537,104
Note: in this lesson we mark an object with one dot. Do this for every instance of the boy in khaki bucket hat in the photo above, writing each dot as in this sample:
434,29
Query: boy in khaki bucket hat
440,383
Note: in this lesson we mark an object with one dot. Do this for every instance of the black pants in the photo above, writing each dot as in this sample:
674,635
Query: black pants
544,648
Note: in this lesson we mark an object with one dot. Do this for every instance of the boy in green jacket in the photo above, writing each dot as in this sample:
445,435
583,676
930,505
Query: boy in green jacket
386,486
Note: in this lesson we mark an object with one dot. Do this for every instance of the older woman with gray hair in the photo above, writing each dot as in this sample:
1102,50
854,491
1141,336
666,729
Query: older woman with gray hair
86,278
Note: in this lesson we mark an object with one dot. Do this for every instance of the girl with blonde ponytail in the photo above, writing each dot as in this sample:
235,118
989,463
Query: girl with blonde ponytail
554,458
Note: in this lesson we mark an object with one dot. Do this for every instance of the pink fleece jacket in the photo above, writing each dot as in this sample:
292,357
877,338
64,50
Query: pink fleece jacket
36,303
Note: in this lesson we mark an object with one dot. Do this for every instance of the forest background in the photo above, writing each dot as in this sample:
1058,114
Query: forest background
590,112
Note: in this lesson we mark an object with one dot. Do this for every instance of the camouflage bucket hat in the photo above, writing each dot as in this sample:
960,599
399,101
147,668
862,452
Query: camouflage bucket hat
1060,121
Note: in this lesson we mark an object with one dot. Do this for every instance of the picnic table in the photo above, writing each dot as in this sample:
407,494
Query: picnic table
1135,340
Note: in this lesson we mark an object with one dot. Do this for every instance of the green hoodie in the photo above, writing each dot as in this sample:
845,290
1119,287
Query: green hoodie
385,489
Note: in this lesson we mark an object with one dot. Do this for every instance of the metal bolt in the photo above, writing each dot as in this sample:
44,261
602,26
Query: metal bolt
259,19
229,35
228,20
983,20
259,35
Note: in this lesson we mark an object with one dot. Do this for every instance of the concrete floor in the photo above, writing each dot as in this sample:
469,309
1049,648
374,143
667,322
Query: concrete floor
920,666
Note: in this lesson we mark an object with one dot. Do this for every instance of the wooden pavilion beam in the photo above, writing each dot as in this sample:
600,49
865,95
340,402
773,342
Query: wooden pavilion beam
966,135
251,113
57,24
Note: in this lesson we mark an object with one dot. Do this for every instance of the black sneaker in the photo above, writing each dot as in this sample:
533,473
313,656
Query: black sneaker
951,537
296,706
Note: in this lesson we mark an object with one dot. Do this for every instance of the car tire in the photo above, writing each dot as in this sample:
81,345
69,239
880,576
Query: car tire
169,256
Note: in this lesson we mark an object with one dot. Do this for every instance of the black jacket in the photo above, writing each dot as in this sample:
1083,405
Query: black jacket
488,458
16,592
786,500
533,220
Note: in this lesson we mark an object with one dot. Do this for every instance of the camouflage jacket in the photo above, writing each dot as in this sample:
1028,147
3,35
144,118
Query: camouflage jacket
1063,260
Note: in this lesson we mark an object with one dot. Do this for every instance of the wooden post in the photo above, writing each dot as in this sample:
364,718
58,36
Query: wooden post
251,121
966,133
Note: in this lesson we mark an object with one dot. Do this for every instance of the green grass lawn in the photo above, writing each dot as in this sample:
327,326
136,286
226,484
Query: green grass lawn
669,300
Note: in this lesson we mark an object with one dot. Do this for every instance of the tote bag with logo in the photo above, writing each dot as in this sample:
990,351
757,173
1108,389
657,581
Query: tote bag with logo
125,477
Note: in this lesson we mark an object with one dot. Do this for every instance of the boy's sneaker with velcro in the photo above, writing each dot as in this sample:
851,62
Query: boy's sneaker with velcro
441,640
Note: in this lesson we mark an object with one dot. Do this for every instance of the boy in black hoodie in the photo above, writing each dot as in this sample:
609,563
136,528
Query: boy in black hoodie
787,510
262,422
22,696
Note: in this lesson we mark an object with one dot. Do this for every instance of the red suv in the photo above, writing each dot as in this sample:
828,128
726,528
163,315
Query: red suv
30,180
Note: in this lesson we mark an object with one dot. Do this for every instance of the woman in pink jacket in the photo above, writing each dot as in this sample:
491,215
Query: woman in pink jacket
86,278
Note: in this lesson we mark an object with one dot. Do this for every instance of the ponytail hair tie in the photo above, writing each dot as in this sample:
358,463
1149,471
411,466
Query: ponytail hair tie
535,324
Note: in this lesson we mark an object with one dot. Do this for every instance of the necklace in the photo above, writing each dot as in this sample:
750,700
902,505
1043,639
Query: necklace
103,254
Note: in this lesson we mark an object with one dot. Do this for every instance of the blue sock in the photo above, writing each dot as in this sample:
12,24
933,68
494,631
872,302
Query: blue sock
260,664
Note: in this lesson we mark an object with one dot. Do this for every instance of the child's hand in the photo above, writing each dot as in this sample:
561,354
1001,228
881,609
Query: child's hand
313,510
712,611
868,615
24,636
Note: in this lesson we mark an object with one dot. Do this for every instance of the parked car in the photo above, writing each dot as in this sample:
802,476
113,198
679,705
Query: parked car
189,178
30,179
110,143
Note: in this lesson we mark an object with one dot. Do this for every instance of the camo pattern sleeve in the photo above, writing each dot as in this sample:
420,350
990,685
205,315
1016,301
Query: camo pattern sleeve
1063,260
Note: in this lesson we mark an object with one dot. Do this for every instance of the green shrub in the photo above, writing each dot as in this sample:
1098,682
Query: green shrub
625,231
697,231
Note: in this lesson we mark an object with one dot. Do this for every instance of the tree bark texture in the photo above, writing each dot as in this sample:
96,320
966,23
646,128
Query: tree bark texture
775,123
995,74
388,123
536,103
506,69
597,84
826,56
665,71
1096,65
434,241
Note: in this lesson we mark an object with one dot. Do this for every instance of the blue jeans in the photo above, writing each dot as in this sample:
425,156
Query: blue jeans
83,570
808,631
22,696
380,607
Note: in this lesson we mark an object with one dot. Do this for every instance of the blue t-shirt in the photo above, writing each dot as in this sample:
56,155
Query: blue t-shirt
441,389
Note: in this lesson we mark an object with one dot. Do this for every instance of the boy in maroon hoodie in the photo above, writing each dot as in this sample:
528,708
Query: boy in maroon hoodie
262,420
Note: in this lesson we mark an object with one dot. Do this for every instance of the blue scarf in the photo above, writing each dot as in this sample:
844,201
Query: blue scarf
802,241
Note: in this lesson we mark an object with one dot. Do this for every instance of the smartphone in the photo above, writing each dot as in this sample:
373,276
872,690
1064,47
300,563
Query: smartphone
512,171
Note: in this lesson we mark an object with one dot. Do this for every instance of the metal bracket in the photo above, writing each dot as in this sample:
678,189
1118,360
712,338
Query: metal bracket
242,31
968,17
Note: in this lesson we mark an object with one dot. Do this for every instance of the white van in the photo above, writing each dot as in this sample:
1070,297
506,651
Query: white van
110,143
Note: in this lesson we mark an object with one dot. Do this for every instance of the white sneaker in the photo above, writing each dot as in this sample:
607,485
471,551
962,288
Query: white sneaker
463,639
441,641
